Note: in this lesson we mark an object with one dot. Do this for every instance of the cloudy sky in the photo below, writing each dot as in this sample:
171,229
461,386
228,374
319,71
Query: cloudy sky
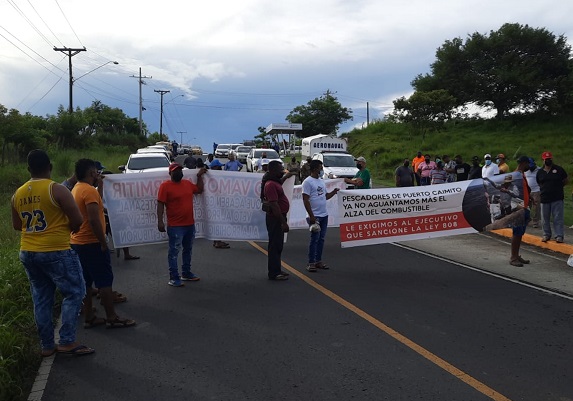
232,66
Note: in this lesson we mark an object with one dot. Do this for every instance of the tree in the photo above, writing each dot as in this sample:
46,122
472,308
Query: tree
322,115
425,111
515,67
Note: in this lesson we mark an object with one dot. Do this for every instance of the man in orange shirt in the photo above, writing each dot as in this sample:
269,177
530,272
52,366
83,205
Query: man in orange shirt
415,161
176,195
91,246
45,213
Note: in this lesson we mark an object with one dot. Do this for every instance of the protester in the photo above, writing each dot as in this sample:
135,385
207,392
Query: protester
475,169
276,221
294,167
450,168
264,166
174,147
438,175
176,195
45,224
501,164
190,162
233,164
424,169
314,197
489,169
519,230
305,169
90,244
415,162
535,195
404,175
259,163
462,169
551,179
209,160
362,178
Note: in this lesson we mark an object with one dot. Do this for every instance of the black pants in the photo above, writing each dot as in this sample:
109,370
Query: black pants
276,241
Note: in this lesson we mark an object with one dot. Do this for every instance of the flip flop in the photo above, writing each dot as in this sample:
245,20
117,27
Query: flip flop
77,351
131,257
93,322
119,323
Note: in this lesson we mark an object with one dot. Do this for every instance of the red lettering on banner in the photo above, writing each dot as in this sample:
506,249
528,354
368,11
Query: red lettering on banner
402,226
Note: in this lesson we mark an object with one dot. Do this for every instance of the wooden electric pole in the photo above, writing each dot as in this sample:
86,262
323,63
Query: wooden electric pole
141,82
70,53
161,116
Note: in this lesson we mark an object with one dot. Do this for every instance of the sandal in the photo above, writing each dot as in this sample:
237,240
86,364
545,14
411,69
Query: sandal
119,323
279,277
311,267
93,322
221,245
131,257
77,351
320,265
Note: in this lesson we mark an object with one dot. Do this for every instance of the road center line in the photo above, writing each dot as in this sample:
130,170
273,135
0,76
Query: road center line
436,360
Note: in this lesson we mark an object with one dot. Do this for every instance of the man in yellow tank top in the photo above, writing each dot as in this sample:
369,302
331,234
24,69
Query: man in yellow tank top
45,213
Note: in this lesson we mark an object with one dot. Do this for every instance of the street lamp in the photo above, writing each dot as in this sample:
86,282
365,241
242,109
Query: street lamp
97,68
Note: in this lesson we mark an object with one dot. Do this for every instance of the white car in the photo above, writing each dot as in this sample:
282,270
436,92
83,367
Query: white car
155,150
242,152
256,154
337,164
139,162
222,150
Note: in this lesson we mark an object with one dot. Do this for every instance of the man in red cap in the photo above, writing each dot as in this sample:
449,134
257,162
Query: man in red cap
501,164
551,179
177,196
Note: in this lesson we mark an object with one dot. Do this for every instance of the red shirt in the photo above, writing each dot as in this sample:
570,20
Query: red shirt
274,193
178,199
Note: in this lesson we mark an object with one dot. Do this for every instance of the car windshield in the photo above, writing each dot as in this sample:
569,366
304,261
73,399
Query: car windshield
243,149
223,147
271,154
142,163
339,161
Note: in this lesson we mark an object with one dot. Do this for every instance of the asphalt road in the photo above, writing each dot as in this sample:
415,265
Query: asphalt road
384,323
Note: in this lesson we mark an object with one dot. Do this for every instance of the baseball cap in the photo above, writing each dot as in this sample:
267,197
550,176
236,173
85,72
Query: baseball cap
546,155
508,178
475,158
99,166
360,159
501,156
524,159
487,156
174,166
216,163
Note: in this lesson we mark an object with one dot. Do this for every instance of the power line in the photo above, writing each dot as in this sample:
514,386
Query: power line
70,25
13,4
45,94
39,16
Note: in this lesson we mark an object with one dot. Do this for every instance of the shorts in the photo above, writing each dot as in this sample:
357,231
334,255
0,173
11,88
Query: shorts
520,230
96,265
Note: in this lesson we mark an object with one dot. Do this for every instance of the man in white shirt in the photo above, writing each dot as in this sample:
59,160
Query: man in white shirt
535,195
314,197
489,169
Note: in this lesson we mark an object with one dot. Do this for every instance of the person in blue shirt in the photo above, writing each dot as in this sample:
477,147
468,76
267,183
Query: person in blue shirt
232,164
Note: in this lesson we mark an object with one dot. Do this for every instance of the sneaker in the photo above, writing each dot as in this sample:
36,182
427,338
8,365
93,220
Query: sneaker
524,261
559,240
516,262
279,277
175,283
192,277
545,238
311,267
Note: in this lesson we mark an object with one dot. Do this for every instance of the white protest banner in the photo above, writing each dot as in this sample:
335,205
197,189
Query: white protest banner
228,209
400,214
297,214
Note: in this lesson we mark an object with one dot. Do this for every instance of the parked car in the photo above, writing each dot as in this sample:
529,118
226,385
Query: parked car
184,150
242,152
255,154
139,162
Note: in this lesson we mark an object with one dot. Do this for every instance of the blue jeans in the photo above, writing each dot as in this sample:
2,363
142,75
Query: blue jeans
46,272
554,209
317,240
180,236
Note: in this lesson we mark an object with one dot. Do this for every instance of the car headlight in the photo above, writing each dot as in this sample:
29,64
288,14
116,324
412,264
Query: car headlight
330,175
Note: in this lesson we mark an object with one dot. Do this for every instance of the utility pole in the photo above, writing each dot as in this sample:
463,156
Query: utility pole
367,114
70,53
181,132
140,100
161,116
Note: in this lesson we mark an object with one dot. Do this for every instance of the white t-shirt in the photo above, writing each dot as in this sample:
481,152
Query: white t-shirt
530,176
315,188
489,171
